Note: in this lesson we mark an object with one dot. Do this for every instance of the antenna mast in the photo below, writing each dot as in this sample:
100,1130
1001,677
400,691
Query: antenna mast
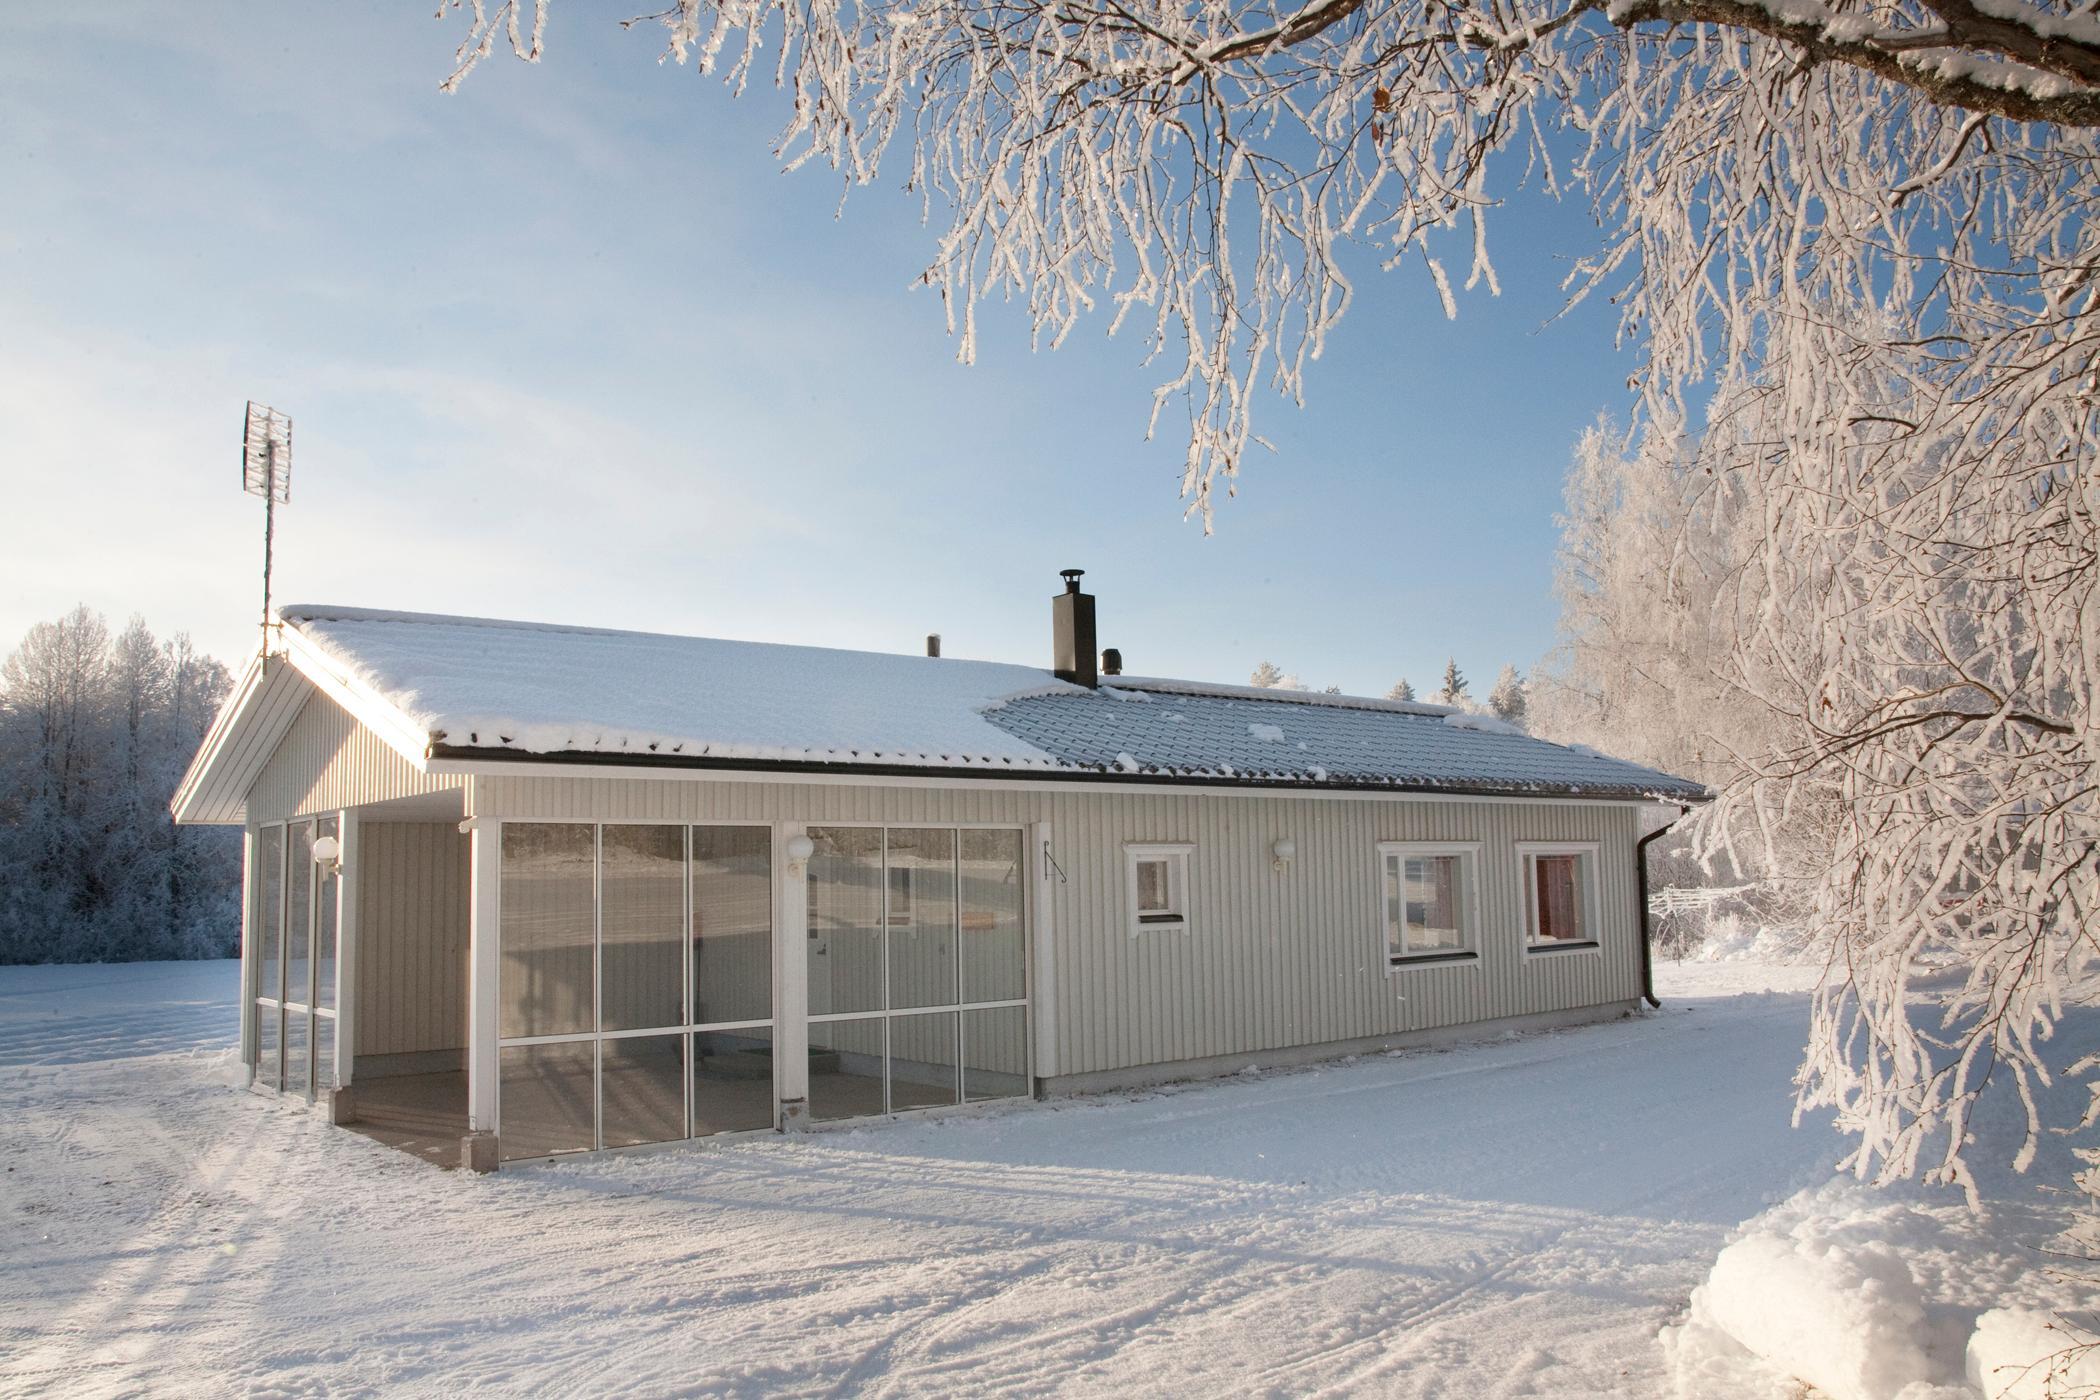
266,471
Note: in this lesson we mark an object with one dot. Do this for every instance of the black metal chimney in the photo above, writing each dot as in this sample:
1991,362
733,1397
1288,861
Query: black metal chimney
933,644
1111,661
1072,629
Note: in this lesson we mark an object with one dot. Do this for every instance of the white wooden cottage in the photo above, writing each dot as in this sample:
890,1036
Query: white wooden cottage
549,889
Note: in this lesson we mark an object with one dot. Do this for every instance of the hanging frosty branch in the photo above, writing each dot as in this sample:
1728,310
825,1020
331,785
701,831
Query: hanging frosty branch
1198,170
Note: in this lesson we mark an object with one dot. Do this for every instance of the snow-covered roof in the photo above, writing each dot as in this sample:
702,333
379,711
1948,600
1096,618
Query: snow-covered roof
474,688
530,688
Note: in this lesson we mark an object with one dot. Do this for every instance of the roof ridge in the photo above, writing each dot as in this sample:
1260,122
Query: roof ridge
323,613
1166,685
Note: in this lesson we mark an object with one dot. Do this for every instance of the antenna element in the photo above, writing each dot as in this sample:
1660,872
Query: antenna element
266,471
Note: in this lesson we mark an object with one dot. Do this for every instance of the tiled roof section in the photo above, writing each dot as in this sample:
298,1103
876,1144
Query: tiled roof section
1226,736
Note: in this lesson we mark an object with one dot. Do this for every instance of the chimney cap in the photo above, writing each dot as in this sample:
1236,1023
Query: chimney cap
1071,578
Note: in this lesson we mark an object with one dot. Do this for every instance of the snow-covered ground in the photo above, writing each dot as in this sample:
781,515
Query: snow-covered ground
1524,1216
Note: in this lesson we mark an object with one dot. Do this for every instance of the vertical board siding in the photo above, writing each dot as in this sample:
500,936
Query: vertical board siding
1271,958
412,937
326,761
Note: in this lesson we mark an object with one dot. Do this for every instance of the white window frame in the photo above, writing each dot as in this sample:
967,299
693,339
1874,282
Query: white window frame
1469,853
1176,855
1587,854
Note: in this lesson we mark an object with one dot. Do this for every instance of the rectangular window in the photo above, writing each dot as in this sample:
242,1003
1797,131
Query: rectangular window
549,931
641,935
1558,884
732,925
1431,903
1158,886
604,927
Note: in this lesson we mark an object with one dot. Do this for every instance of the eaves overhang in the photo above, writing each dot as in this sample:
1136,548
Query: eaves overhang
469,759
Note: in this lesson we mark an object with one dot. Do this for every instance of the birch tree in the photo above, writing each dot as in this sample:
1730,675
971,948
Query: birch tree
1854,245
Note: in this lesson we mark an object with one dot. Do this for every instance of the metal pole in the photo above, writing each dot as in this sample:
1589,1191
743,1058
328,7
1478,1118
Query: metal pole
269,527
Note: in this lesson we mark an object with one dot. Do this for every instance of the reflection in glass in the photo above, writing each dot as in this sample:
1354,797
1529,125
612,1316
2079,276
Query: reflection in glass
324,930
546,1097
642,1079
845,919
845,1069
1557,901
641,958
922,1061
269,1059
995,1053
547,933
732,924
298,911
1425,904
269,913
297,1072
993,967
920,883
324,1053
732,1081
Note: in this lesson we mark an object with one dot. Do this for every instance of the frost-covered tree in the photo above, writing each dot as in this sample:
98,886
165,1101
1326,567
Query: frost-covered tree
1267,676
1401,690
1455,688
1639,670
1879,650
1507,700
95,733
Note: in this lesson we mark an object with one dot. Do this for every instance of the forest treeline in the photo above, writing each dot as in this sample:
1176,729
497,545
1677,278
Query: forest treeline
96,729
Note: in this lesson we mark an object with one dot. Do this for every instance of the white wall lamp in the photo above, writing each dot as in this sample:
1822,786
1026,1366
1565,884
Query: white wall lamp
799,849
1285,850
328,853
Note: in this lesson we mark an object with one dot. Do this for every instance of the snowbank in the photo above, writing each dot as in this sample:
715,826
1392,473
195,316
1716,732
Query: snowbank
1866,1297
1732,938
2026,1354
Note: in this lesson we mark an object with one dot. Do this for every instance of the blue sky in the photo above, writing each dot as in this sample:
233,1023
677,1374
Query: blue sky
568,346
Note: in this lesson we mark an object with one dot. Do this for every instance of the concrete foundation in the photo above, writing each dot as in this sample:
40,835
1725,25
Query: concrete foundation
477,1152
1216,1066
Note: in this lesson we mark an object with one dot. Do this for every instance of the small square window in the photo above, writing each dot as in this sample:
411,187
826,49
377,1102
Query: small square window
1158,886
1429,900
1558,890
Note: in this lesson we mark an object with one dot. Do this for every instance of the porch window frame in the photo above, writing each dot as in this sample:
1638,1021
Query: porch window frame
688,1028
320,1020
887,1013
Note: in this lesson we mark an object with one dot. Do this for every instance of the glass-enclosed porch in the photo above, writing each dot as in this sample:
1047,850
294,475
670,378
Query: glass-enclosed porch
625,983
